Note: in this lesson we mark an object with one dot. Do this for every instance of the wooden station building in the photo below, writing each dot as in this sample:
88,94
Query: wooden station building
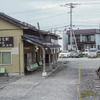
24,48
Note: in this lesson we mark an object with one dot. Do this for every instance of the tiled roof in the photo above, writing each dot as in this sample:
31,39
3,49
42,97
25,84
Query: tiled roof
23,25
48,33
85,31
40,42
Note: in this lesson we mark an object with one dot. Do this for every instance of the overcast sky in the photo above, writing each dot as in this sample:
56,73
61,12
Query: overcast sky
50,14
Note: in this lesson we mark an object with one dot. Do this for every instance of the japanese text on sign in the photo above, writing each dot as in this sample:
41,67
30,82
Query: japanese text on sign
6,41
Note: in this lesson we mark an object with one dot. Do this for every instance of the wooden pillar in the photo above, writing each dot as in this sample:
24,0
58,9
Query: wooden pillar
56,58
53,60
50,67
44,73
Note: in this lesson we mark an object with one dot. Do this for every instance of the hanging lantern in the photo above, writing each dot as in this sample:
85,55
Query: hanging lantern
36,48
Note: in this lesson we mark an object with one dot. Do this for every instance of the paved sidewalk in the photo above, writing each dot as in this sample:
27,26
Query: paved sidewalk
60,85
18,87
4,80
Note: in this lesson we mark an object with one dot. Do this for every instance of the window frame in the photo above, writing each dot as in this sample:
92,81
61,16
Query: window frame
98,47
84,38
92,37
1,57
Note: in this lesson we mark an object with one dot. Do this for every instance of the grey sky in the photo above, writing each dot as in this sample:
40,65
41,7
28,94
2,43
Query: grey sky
50,15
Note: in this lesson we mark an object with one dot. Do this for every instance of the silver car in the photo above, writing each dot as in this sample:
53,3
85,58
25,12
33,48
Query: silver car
76,54
92,52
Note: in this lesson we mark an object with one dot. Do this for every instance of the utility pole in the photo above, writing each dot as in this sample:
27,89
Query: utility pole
71,6
39,30
38,26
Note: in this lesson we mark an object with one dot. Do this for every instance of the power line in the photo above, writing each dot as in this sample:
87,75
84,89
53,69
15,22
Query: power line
55,25
35,10
60,27
43,18
95,3
64,26
21,12
30,11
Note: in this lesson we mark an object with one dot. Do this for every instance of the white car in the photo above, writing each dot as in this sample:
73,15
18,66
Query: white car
86,51
64,54
92,52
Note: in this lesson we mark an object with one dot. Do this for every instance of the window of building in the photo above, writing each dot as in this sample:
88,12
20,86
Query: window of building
5,58
98,47
91,45
89,38
84,38
94,46
77,38
92,37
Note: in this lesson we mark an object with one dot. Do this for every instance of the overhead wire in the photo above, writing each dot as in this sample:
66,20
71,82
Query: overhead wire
64,26
21,12
29,11
43,18
92,3
55,25
56,15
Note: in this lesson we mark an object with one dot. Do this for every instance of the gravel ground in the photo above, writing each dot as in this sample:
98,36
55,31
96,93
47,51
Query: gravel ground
89,79
90,82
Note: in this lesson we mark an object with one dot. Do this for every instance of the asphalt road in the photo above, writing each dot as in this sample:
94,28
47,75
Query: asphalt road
60,85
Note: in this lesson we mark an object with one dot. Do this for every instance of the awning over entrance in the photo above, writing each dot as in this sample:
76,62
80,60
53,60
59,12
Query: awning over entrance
40,42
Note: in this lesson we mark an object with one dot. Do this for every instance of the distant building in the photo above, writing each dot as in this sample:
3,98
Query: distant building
62,40
85,39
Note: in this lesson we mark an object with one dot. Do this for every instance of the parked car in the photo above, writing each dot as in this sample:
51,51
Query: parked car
76,54
92,52
85,52
64,54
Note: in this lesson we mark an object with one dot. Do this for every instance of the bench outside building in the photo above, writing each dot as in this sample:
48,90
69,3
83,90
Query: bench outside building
3,71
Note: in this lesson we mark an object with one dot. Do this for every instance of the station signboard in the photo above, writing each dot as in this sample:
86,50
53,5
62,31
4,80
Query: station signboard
6,42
